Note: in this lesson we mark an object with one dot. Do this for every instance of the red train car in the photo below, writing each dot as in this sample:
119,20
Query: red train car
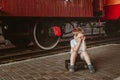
112,15
39,21
112,9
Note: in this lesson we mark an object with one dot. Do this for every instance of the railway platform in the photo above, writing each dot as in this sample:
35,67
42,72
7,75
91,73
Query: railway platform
106,59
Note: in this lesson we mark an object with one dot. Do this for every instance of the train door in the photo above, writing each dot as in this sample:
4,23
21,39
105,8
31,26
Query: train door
98,7
0,7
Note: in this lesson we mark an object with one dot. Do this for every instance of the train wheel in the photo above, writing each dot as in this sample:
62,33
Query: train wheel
18,34
112,28
43,36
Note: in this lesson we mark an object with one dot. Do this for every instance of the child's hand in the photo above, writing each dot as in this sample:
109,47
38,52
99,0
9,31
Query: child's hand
83,38
79,40
79,37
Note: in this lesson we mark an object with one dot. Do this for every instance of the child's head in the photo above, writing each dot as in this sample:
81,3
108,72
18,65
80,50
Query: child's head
77,31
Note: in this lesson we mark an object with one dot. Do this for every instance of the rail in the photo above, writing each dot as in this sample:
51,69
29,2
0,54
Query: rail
31,52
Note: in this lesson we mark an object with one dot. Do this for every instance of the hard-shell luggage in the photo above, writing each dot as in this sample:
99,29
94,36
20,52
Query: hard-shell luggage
79,64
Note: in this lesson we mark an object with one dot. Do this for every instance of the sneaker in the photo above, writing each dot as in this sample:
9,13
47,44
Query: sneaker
71,68
91,69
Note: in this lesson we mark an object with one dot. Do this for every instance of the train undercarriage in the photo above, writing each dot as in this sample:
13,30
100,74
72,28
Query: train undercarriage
21,33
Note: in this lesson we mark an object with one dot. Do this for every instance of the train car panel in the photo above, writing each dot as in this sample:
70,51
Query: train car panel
48,8
18,7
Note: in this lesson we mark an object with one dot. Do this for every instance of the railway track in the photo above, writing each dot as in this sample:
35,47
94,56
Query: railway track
10,55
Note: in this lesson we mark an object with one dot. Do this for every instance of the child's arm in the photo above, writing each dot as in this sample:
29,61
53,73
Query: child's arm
84,44
76,47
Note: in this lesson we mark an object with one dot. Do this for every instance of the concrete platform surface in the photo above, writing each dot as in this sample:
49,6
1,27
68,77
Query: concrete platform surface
106,59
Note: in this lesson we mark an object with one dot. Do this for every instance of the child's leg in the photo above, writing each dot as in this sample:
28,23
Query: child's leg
72,61
84,55
73,58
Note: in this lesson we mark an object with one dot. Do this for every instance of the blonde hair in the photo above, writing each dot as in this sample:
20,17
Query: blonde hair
76,31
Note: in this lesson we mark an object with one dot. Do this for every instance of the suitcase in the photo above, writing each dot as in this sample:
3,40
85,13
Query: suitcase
79,64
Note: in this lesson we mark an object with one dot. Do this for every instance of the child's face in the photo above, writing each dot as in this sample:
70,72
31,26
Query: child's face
79,36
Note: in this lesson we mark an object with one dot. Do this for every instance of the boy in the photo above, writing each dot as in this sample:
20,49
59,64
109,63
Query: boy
78,46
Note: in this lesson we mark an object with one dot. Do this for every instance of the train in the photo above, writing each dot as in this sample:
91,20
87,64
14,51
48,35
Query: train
45,22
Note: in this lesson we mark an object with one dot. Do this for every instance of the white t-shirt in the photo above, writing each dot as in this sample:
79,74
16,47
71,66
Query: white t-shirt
74,43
